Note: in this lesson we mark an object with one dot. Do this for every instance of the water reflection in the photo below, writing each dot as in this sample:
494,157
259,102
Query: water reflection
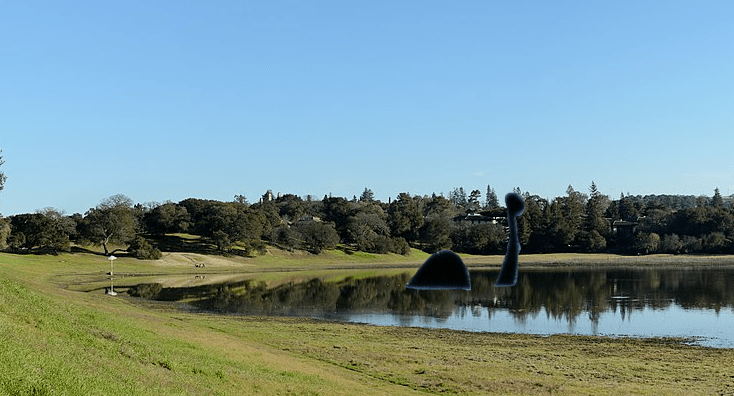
655,302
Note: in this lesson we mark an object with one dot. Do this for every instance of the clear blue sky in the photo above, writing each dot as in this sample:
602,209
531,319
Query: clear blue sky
167,100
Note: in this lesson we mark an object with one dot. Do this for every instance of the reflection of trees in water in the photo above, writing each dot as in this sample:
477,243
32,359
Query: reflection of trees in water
710,289
383,293
562,294
567,295
572,293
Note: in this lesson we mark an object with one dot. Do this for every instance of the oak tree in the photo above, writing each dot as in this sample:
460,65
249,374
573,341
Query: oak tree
112,221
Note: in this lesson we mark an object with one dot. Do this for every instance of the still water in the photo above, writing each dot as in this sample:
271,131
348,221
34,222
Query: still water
695,303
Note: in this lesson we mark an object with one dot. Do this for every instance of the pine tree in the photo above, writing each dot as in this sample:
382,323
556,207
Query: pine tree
367,195
473,202
458,197
595,227
717,201
491,201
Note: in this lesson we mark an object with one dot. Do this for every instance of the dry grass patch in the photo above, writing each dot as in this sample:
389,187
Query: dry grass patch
444,361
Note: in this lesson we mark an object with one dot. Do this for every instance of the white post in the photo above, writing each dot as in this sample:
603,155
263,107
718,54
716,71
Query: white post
112,270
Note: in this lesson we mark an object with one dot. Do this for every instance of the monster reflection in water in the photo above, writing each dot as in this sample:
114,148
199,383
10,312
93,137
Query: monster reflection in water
446,270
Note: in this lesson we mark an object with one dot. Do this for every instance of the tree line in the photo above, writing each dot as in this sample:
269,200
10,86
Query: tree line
461,221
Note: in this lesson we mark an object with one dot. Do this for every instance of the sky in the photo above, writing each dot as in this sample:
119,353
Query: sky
168,100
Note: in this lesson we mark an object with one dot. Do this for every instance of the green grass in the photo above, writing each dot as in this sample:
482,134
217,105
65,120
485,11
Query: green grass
58,341
63,342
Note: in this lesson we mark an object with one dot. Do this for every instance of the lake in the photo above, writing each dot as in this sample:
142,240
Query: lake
696,303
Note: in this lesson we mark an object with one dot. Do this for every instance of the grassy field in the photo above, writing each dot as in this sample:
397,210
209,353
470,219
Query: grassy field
58,339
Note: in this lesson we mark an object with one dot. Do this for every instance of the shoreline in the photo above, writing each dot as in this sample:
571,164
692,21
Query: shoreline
603,260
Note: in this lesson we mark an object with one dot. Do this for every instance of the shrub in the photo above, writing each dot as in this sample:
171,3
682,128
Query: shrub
141,249
401,246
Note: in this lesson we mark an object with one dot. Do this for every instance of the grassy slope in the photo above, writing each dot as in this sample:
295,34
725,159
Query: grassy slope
59,341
